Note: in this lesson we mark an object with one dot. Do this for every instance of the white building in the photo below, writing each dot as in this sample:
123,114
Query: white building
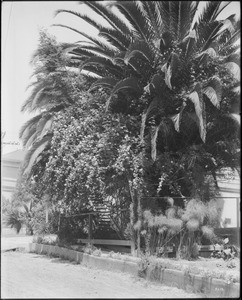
229,186
10,168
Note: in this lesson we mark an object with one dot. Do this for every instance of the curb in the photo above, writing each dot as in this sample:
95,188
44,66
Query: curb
109,264
212,287
190,282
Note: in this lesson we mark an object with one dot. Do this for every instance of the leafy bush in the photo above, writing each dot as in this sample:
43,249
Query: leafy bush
89,248
97,252
15,220
46,240
227,251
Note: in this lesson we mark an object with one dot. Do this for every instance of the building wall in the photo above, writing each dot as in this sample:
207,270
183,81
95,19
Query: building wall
230,195
10,168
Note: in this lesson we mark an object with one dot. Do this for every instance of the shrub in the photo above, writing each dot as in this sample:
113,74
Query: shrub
15,220
97,252
182,228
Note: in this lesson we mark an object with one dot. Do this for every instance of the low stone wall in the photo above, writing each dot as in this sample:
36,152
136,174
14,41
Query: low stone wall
104,263
211,287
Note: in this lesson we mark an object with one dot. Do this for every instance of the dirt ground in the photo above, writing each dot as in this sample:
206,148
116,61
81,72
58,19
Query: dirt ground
27,275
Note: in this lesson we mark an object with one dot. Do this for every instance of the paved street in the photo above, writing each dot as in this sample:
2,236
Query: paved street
28,275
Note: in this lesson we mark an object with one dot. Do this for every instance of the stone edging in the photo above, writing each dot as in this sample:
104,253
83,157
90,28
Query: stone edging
211,287
193,283
88,260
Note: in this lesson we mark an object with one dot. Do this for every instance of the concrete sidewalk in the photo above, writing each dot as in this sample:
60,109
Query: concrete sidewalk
13,242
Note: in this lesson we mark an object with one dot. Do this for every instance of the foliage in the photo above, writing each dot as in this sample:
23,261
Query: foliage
156,121
42,239
17,217
14,220
227,251
181,228
175,68
6,205
89,149
27,208
205,270
54,88
172,76
23,192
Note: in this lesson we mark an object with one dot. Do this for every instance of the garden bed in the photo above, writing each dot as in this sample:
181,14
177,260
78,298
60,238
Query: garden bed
205,267
228,270
163,271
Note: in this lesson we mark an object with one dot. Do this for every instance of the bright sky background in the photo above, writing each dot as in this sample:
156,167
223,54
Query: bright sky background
21,22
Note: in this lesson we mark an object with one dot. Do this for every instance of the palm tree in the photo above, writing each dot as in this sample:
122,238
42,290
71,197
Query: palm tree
173,68
53,90
155,49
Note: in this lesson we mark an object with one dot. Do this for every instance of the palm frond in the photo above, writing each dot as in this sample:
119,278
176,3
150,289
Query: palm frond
110,17
166,41
25,129
156,106
96,41
34,152
106,82
180,18
196,99
81,16
104,62
176,119
128,83
203,56
152,16
95,71
214,91
233,39
139,47
130,9
211,11
30,140
165,12
116,38
227,24
39,86
212,37
171,68
44,125
87,51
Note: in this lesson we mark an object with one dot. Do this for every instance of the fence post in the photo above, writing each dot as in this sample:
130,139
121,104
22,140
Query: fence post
132,248
90,228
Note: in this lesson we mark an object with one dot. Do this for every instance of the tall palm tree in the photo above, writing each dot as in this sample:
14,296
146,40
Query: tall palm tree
167,64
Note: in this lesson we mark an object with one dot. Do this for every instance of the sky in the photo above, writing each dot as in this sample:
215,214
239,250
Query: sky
21,22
